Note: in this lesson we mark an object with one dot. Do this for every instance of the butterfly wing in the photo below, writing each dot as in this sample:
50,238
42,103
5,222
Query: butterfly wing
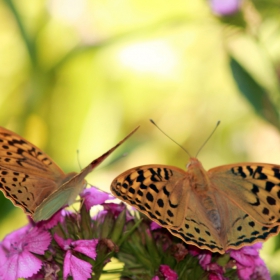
253,187
155,191
19,155
237,227
25,191
73,184
63,196
241,229
27,175
247,194
244,202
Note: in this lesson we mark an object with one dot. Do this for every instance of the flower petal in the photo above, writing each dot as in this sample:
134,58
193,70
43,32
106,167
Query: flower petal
75,267
168,273
92,196
58,217
16,251
15,236
155,226
86,247
205,259
28,265
38,241
20,265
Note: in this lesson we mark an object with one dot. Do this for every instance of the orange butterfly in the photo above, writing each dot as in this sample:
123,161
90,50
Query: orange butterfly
32,181
227,207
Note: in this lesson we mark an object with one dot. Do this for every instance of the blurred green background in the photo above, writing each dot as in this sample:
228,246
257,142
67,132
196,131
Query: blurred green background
81,74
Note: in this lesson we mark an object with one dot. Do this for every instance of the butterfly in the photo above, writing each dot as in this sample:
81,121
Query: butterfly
32,181
227,207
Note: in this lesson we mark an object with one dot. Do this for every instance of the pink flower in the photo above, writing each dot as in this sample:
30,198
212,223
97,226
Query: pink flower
16,252
167,273
113,208
261,272
72,265
100,216
194,251
225,7
58,217
155,226
215,271
92,196
76,267
205,259
249,263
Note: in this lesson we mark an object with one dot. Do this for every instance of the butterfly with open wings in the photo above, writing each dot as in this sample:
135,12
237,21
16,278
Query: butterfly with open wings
227,207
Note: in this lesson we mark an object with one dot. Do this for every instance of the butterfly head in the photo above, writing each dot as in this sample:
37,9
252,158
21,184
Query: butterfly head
198,175
193,163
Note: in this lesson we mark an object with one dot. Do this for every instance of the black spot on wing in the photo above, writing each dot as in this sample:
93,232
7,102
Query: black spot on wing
155,174
250,170
276,171
131,190
167,172
165,191
258,174
270,200
170,214
154,188
269,186
150,197
140,177
128,180
160,203
265,211
255,189
238,171
257,203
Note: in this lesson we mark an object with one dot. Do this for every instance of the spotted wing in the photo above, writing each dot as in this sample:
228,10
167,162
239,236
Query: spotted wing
19,155
156,190
253,187
237,227
248,198
27,175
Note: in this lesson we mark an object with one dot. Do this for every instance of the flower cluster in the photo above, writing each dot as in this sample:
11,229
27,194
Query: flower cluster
78,246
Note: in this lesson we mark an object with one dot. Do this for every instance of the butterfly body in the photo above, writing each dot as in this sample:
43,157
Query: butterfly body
32,180
226,207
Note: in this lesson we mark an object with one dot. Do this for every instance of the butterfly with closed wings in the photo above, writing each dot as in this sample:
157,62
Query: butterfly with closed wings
32,181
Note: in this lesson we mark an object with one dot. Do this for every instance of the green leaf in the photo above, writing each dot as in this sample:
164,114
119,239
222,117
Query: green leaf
254,93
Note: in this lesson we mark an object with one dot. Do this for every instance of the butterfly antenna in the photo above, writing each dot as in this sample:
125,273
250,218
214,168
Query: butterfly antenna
170,137
78,159
218,122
